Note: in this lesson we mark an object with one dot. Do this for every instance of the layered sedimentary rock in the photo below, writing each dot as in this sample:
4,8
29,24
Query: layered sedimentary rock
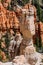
27,15
8,18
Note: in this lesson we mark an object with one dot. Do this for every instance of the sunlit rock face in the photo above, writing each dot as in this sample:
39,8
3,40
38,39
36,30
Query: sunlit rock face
28,17
20,60
28,12
8,18
2,16
24,44
33,57
31,17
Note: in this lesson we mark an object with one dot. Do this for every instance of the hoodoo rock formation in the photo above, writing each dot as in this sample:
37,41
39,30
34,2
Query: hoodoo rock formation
17,29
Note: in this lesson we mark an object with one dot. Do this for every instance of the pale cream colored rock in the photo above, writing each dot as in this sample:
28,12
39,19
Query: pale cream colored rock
33,57
20,60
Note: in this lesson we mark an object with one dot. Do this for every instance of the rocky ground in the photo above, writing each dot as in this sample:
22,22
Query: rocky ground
37,59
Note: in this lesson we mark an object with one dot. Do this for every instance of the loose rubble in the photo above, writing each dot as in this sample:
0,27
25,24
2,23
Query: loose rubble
20,60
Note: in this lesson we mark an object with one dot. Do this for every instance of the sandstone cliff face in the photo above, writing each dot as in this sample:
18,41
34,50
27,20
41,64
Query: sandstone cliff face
8,19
